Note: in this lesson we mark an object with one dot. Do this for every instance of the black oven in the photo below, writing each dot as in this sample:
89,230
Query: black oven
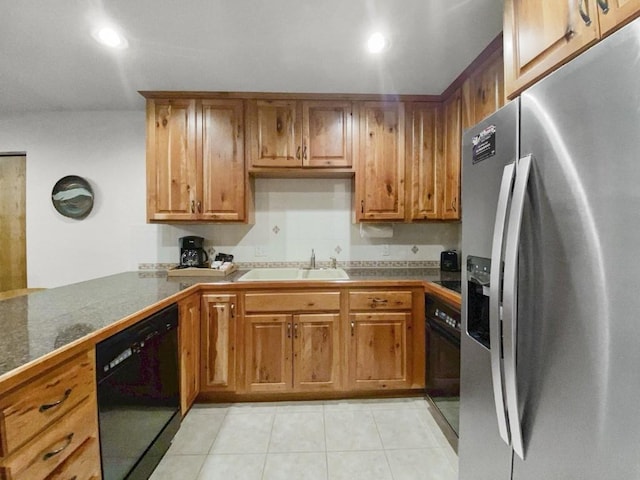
138,395
443,358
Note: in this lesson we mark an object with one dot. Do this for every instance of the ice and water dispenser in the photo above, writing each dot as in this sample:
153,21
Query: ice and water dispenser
478,273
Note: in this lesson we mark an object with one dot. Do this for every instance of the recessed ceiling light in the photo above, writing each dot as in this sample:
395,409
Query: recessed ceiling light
110,37
377,43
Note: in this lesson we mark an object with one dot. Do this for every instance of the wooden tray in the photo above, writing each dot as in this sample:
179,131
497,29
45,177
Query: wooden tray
200,272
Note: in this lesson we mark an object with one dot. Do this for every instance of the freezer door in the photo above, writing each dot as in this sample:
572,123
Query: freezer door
483,454
579,288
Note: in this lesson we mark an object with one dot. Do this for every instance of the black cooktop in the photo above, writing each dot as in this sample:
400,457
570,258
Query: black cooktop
455,285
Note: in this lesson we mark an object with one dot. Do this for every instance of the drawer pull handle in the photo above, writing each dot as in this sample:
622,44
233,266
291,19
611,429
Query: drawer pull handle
295,330
379,300
48,455
353,327
47,406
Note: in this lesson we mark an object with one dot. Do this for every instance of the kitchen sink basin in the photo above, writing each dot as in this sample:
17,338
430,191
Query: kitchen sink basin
272,274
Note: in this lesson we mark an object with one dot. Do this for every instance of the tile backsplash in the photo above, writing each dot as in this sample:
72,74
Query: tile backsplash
294,216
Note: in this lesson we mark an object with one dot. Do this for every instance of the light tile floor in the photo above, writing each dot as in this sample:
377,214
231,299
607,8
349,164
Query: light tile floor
391,439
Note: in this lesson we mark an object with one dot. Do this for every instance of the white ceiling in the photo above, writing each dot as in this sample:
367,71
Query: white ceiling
49,61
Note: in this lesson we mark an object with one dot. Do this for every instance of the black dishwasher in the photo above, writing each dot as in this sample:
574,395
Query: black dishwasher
138,395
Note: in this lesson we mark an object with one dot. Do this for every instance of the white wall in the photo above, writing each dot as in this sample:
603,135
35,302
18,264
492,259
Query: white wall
107,148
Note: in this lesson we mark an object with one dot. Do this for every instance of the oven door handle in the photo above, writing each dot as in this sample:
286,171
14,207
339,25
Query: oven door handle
495,322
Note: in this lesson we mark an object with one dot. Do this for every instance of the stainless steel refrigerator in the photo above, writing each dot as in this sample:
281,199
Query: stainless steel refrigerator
550,375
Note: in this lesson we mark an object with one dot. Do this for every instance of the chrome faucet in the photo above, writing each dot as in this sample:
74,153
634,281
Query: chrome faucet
312,263
334,262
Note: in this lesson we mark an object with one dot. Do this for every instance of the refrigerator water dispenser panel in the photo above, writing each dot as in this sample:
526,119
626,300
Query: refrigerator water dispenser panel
478,273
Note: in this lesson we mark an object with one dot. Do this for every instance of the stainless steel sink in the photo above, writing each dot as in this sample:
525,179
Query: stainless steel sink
272,274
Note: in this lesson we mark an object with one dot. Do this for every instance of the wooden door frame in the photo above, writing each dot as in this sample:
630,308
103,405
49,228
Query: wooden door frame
13,235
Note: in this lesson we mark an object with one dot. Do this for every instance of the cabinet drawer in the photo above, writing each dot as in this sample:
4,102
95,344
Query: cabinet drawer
82,464
29,409
380,300
292,302
49,449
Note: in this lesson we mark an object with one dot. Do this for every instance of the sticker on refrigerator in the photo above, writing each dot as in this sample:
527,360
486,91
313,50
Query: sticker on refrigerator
484,144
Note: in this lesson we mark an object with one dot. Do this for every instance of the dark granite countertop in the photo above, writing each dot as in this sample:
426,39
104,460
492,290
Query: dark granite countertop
37,324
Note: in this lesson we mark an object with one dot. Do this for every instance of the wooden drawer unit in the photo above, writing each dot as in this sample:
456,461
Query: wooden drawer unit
381,339
380,300
29,410
54,445
292,302
82,464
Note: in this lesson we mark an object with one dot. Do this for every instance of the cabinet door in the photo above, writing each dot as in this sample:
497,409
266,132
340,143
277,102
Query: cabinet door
275,133
189,351
423,192
540,36
326,132
171,160
380,350
451,157
619,12
380,171
218,343
316,352
488,88
222,150
268,347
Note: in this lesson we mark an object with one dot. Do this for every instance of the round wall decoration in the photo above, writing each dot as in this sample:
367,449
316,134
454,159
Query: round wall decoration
72,197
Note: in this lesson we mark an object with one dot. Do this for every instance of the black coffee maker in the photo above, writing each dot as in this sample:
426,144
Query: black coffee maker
192,254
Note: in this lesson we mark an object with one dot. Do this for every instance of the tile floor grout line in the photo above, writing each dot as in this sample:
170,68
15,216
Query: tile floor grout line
266,455
326,440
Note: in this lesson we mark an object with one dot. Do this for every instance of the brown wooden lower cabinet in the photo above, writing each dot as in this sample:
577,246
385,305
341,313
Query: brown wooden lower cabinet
292,352
380,350
218,338
189,333
49,425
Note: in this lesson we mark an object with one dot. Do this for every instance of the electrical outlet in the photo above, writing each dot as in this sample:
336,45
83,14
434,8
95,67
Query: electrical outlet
385,250
260,251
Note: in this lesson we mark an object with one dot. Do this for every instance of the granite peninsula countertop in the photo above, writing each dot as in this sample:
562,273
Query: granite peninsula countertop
37,324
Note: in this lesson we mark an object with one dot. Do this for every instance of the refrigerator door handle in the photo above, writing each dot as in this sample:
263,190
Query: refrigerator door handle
495,330
510,302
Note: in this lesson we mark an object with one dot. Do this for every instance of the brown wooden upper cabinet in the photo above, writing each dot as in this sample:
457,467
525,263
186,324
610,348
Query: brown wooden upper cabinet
483,92
424,194
380,177
195,160
300,134
541,36
451,156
